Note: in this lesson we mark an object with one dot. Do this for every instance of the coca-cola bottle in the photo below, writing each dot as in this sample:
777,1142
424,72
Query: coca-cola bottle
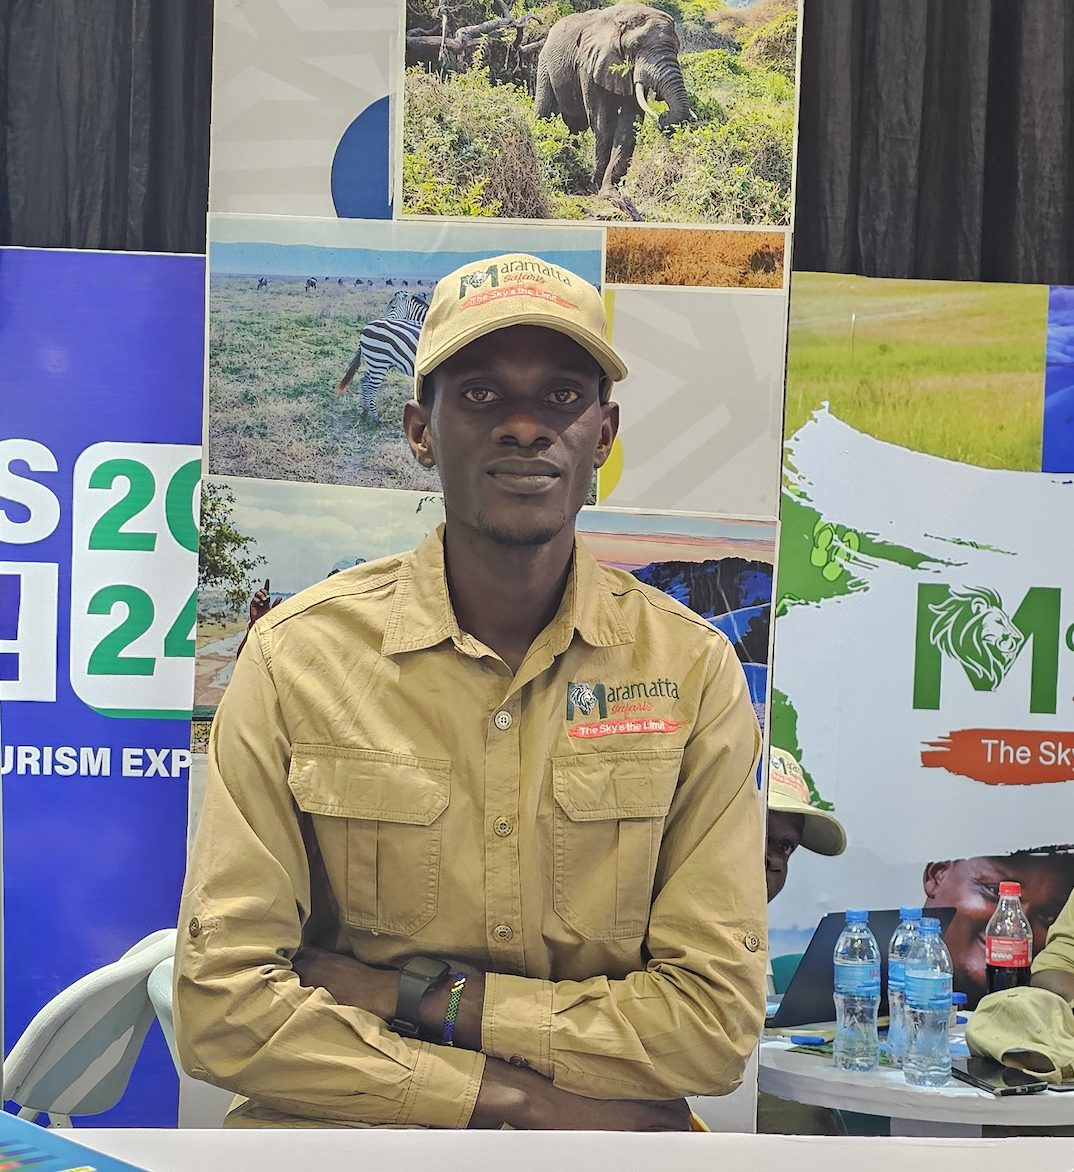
1008,949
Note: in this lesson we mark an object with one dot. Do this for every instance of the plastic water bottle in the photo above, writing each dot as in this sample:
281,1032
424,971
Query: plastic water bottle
857,995
898,950
928,1008
1008,942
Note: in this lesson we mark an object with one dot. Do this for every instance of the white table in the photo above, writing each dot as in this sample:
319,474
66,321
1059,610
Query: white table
537,1151
956,1109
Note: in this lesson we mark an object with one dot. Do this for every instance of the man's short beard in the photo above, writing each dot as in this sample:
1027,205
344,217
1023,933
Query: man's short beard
520,534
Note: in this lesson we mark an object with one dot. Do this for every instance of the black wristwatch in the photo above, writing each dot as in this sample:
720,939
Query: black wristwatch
416,977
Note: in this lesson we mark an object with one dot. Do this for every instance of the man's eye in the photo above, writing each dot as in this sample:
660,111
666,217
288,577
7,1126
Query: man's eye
991,890
564,396
479,395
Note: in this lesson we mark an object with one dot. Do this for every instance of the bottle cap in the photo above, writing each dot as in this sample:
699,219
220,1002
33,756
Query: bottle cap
959,999
909,913
1010,889
857,915
930,927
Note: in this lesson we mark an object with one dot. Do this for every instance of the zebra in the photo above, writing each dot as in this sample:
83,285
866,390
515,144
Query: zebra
262,284
311,283
389,341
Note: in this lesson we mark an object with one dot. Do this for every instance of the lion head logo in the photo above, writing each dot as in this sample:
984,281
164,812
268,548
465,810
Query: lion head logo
972,627
582,697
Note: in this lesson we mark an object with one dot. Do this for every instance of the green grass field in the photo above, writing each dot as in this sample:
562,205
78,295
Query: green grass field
955,370
275,357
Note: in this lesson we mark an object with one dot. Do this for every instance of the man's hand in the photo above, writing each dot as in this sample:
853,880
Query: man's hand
527,1101
377,990
260,604
349,981
1056,981
509,1094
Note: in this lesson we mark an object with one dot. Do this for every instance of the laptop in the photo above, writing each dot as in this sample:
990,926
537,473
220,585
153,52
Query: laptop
809,997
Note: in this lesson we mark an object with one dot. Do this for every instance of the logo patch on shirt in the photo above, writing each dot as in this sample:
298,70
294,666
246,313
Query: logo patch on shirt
623,701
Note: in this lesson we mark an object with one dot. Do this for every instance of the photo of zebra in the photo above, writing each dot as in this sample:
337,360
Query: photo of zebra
301,310
282,346
391,341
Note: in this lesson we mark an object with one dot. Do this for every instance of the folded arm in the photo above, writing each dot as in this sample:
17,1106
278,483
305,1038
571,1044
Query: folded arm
687,1022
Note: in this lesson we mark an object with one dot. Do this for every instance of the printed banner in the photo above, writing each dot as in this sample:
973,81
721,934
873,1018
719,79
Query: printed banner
99,497
925,638
301,122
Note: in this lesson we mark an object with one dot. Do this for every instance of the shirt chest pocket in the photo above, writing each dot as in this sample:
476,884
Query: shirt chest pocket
608,823
378,821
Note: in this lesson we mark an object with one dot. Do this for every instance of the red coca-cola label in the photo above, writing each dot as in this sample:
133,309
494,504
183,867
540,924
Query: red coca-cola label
1007,952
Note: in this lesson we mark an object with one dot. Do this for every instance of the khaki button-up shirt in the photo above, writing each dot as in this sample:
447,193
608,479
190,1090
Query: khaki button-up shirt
1058,951
586,830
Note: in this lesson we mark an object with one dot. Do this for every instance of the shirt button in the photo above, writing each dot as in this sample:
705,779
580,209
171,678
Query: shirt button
504,720
518,1060
503,827
752,942
503,932
194,927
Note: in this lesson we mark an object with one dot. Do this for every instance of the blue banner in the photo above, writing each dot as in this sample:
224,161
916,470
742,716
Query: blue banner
100,434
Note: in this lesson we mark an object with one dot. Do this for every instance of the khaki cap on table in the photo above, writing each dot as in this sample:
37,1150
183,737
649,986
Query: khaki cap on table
515,289
788,791
1019,1026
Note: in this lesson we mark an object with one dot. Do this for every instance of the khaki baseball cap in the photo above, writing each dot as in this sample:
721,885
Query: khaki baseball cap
1026,1027
512,290
788,791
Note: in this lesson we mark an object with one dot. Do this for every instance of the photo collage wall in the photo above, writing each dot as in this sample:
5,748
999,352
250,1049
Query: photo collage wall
362,152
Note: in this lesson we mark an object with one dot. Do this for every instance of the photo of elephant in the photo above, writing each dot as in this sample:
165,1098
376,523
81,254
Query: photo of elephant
679,111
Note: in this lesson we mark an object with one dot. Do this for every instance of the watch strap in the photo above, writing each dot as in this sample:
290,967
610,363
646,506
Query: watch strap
412,987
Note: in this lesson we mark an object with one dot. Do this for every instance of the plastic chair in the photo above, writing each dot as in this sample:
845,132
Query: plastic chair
159,985
76,1056
783,969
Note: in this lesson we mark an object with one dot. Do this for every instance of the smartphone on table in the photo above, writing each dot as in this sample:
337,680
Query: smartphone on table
996,1078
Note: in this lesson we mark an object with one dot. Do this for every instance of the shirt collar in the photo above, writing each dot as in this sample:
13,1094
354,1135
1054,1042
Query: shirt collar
422,615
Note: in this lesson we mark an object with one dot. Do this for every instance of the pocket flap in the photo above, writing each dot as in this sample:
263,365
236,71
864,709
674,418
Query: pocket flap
592,787
365,783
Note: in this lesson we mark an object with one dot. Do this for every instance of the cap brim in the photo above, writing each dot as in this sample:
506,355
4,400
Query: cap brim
609,361
822,833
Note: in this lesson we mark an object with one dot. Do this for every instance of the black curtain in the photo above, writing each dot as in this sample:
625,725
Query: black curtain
936,139
104,123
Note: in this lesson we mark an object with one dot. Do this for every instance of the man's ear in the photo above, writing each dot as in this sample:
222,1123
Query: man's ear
609,428
934,876
418,435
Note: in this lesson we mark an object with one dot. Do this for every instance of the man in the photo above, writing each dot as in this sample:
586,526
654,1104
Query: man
971,887
794,821
1053,967
421,826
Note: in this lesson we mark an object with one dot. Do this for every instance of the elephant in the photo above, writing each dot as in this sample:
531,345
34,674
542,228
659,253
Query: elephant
594,69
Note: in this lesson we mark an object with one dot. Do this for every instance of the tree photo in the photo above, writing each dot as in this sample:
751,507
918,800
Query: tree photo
678,111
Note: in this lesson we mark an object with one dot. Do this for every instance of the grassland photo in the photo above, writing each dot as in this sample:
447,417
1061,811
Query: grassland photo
949,368
311,346
681,111
695,256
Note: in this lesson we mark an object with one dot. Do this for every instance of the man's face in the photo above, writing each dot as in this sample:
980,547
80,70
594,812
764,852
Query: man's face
784,835
971,887
516,428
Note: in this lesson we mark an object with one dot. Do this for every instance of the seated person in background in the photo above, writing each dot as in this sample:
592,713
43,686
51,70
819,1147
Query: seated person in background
971,887
1053,967
435,882
794,821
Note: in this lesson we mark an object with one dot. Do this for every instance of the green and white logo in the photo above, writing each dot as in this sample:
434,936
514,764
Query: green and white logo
970,626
